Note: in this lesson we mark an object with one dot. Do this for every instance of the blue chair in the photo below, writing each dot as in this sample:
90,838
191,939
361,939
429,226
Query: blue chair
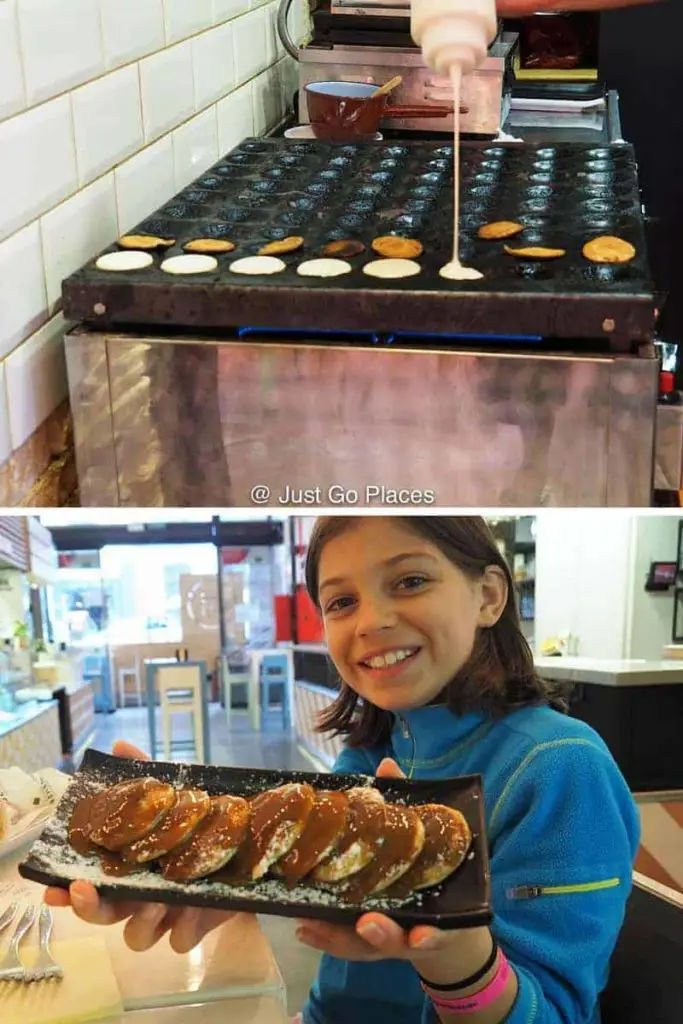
95,669
274,675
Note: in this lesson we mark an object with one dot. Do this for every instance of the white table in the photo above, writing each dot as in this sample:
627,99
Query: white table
233,964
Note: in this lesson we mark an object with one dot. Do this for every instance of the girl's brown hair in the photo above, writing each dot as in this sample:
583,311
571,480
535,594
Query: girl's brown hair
499,675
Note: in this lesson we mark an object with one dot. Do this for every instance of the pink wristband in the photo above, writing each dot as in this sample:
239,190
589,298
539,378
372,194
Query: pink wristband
480,1000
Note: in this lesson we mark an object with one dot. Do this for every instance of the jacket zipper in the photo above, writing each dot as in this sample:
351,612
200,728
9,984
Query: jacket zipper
532,892
407,735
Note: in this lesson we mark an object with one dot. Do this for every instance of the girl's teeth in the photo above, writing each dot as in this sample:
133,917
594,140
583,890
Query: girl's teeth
383,661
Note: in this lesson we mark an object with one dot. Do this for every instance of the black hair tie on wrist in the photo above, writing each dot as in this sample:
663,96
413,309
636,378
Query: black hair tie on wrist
472,980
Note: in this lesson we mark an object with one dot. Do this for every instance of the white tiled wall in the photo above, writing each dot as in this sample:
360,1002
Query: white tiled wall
107,108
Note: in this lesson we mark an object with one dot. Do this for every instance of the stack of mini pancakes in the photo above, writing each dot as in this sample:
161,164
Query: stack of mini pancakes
352,842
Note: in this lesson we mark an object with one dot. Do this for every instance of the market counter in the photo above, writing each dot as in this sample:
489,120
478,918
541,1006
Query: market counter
635,705
30,736
637,708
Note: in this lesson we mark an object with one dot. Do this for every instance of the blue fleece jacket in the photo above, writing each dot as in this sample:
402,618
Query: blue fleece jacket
563,833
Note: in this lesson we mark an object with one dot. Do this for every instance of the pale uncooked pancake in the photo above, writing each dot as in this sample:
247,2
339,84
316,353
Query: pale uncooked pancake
324,268
191,263
258,265
454,271
392,269
125,260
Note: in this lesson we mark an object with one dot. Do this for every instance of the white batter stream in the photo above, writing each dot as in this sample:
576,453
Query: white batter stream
454,271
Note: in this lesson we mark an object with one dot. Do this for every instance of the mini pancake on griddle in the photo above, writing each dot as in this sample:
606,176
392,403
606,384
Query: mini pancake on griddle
191,808
609,249
448,838
278,818
282,246
395,247
209,246
500,229
361,838
215,841
129,811
404,838
145,243
325,824
344,249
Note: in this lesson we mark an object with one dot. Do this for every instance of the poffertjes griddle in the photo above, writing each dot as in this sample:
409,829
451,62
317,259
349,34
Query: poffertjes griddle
268,189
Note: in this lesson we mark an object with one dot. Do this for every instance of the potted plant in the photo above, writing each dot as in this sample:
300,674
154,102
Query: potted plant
21,637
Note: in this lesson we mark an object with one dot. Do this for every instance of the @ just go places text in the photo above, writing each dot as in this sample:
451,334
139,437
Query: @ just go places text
372,494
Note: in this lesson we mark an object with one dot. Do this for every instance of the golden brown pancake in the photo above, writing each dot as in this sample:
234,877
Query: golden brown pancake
191,808
129,811
325,824
361,838
404,837
500,229
278,818
209,246
535,252
282,246
448,838
608,249
215,841
146,243
398,248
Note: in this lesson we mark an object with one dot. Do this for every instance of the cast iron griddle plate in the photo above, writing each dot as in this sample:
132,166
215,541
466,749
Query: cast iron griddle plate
269,188
463,900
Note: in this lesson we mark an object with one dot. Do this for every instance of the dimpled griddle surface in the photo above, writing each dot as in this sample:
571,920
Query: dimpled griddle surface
269,189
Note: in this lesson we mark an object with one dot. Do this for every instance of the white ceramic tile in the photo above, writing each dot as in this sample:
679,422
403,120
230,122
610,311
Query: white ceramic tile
107,122
36,380
22,287
131,29
37,163
235,118
250,45
12,96
75,231
144,183
5,440
167,89
186,17
214,65
223,10
61,42
195,147
267,100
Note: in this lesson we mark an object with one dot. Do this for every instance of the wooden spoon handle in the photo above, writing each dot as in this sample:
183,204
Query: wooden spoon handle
388,87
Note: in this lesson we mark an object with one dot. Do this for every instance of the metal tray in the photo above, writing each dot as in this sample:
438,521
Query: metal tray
267,189
463,900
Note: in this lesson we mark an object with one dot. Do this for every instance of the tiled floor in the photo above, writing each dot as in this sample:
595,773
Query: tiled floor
661,852
660,856
237,745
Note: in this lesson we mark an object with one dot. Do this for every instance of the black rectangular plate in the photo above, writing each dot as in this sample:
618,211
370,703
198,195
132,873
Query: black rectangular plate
269,188
463,900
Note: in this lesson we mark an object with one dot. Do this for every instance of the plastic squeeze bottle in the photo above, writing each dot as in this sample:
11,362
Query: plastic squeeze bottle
455,36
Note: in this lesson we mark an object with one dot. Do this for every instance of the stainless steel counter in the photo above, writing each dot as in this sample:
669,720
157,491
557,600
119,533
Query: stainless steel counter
197,421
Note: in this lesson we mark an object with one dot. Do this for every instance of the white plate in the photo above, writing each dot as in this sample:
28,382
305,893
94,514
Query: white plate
25,831
304,131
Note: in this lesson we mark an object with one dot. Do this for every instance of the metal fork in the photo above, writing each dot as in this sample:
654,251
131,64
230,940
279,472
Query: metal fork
12,967
7,915
45,966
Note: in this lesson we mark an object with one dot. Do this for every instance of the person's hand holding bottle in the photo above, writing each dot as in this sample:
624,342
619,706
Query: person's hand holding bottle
146,923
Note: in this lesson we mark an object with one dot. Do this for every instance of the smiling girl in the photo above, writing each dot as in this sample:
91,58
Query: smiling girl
437,681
